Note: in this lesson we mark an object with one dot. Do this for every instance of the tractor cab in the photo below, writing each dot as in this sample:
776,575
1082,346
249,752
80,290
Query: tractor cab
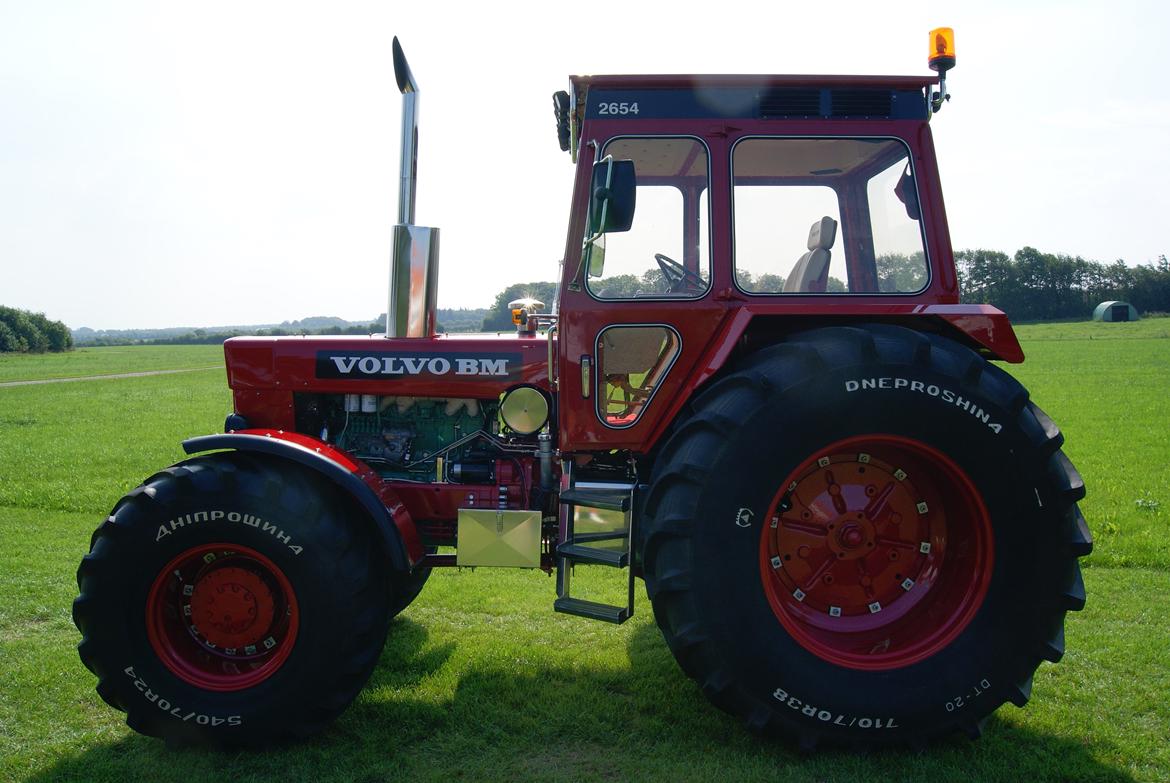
715,213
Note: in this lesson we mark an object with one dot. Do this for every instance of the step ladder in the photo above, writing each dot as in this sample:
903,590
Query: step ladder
596,528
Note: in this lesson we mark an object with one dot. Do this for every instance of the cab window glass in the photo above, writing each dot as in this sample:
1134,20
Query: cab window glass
817,216
665,253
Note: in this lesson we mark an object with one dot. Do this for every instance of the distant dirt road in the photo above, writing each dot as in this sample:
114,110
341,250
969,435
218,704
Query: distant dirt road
105,377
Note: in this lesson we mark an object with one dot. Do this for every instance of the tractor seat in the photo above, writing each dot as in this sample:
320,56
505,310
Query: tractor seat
811,273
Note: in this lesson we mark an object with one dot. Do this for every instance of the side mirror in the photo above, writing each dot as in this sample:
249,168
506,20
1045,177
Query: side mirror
611,196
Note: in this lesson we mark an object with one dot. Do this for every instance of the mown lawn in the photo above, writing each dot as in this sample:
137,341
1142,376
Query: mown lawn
482,681
83,362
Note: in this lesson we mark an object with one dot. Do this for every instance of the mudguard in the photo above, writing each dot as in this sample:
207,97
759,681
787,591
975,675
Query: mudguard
394,526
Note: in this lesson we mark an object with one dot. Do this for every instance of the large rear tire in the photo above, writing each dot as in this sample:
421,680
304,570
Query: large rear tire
228,601
864,535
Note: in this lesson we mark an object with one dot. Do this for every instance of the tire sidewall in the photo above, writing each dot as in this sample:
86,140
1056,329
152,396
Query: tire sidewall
803,690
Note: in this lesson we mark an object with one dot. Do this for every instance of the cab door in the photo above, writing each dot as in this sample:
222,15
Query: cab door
637,307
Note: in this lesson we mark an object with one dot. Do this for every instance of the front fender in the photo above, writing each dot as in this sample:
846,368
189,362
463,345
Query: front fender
392,522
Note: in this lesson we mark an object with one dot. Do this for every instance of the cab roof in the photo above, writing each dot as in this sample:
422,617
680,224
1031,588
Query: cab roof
755,97
708,81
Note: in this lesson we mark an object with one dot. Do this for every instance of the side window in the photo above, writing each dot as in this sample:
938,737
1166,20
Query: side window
665,252
631,361
815,216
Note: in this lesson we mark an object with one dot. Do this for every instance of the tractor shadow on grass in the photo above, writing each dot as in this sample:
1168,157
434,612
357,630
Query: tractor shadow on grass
432,713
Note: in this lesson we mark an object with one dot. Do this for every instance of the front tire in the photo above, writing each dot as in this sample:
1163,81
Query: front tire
228,601
865,535
405,586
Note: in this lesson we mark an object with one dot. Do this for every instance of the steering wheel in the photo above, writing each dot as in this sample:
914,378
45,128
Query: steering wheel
678,277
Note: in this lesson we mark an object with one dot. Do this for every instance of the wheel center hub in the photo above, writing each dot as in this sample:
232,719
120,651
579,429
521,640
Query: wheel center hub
232,607
850,537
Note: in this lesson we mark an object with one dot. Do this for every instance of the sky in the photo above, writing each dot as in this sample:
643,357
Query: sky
221,163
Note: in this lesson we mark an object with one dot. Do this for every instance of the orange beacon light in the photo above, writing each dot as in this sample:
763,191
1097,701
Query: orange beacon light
942,49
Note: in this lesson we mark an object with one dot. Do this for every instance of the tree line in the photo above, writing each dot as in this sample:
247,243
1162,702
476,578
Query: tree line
1029,286
25,332
449,320
1036,286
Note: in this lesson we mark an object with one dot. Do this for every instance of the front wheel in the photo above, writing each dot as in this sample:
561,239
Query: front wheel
405,586
865,535
229,600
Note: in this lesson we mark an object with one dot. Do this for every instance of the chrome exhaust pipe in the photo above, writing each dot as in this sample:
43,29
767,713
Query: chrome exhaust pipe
414,268
409,88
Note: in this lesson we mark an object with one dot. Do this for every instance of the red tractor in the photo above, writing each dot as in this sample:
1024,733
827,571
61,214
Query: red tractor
851,524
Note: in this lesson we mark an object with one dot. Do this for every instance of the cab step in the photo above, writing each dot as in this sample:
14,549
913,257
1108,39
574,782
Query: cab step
606,500
579,553
596,529
594,611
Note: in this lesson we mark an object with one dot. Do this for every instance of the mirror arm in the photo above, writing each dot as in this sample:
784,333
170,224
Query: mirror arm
575,281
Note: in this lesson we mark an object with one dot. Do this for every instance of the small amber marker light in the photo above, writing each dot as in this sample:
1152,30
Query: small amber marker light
942,49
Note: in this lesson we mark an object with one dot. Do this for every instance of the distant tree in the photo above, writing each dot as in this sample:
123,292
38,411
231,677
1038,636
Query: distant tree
499,318
10,341
769,283
1150,286
621,286
32,332
60,338
461,319
898,272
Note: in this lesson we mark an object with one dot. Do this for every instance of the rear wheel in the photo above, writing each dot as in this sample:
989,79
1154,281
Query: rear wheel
228,601
864,535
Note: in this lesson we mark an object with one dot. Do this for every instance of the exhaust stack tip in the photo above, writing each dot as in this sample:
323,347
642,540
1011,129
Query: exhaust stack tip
402,74
414,269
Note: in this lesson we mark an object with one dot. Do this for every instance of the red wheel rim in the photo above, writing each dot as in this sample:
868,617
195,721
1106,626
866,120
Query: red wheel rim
222,617
876,552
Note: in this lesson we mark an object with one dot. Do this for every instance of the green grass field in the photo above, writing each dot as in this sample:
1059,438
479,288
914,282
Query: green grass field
84,362
482,681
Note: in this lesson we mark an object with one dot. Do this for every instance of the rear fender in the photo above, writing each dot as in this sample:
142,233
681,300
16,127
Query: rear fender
391,520
984,328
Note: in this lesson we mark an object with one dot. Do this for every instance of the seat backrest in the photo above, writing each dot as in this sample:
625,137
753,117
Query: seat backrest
811,273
